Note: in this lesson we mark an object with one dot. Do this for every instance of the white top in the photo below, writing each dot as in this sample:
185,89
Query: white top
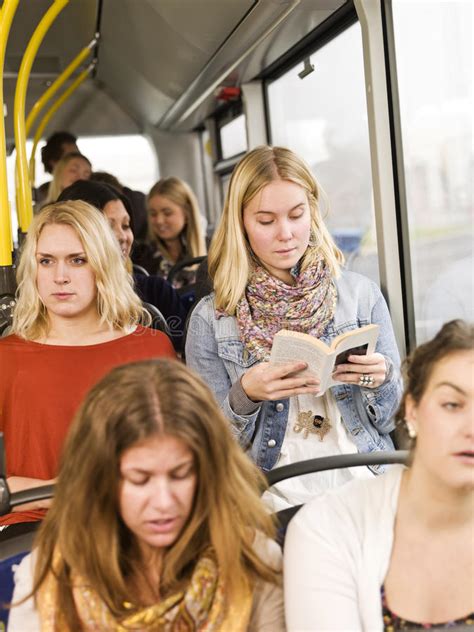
267,613
337,553
302,489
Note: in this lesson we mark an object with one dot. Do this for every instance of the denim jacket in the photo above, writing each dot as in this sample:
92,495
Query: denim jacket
215,351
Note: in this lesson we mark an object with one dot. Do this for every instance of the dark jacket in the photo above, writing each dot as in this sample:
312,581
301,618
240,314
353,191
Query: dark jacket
158,292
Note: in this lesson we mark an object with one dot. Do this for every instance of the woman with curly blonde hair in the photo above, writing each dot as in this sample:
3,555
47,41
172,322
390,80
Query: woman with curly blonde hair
156,523
77,316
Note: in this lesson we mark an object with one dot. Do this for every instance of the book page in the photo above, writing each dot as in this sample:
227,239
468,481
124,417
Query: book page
286,349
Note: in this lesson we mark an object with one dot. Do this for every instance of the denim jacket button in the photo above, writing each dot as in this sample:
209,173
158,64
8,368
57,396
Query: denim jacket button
279,407
272,443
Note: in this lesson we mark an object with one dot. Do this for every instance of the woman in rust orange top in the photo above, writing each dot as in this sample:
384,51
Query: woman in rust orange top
77,317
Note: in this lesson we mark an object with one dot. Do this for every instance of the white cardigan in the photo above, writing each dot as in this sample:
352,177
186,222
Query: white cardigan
337,553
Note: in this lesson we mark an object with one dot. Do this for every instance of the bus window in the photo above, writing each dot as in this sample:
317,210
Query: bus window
433,45
225,181
233,137
130,158
323,118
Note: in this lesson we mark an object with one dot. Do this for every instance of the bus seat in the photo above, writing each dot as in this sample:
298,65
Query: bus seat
321,464
6,585
184,263
139,270
283,518
158,321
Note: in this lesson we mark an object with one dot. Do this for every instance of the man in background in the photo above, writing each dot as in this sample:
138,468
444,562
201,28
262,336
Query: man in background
58,145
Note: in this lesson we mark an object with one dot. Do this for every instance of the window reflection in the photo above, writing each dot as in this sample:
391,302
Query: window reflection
433,42
233,137
323,118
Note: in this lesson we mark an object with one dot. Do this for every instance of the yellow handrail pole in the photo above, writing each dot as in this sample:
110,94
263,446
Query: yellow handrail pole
24,200
6,17
50,92
57,104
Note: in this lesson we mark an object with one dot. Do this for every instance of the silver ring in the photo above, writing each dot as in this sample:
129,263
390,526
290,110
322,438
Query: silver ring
366,380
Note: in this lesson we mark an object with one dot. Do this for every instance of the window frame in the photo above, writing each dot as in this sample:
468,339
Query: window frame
398,292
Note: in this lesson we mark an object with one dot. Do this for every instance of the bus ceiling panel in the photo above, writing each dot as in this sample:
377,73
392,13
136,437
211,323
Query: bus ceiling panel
131,88
308,15
304,17
261,20
90,111
73,29
151,50
96,113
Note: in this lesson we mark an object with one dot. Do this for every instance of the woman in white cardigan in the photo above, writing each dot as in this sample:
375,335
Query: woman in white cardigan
397,551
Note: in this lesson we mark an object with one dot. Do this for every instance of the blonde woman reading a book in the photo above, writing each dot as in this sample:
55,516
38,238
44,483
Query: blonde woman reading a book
275,266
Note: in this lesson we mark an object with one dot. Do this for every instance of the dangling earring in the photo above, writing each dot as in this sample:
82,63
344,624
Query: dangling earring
313,241
411,430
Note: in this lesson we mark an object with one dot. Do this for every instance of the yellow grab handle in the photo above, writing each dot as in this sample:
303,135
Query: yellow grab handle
50,92
57,104
24,200
7,13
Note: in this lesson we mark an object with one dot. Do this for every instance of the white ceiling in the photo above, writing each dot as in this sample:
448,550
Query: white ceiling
149,55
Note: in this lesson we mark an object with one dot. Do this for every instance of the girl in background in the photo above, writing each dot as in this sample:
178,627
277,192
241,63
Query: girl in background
69,169
175,230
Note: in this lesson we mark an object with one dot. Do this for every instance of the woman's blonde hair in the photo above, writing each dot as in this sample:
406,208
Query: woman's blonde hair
134,402
230,257
117,303
55,186
181,194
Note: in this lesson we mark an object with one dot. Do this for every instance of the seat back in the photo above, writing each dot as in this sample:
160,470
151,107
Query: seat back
184,263
140,270
321,464
6,585
158,321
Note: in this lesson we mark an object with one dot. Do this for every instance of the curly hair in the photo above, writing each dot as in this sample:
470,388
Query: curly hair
456,335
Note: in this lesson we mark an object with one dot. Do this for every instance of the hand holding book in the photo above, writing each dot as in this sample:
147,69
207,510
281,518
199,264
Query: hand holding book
265,381
350,358
372,365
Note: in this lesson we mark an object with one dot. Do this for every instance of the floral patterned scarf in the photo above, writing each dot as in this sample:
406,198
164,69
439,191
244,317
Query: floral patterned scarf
269,305
200,607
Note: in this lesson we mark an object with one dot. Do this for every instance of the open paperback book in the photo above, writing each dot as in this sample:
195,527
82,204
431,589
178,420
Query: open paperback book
322,359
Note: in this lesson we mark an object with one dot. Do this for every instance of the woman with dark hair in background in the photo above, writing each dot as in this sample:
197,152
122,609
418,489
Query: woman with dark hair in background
58,145
156,522
151,289
137,201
